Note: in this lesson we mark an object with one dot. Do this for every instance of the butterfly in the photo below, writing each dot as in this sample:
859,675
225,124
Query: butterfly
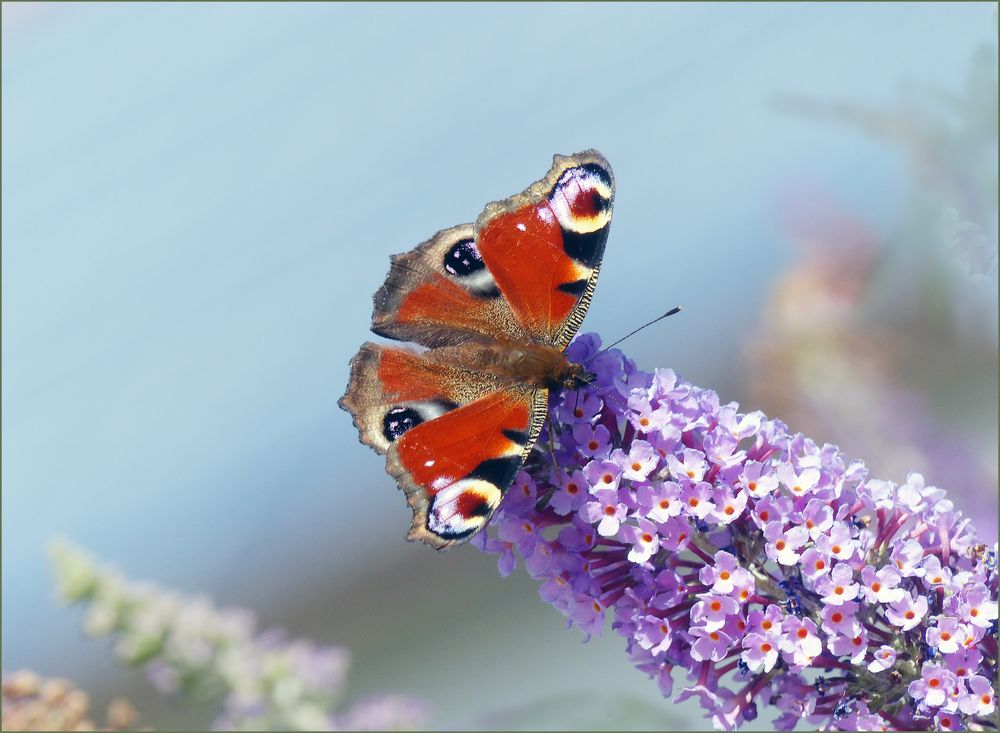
495,304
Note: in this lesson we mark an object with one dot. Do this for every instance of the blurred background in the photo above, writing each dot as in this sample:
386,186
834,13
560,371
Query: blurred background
200,199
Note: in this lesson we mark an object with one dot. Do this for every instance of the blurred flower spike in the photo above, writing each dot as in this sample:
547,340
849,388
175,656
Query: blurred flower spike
188,646
769,571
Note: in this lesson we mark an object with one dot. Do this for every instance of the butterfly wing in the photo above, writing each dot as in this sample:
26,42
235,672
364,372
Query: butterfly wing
441,294
543,247
454,438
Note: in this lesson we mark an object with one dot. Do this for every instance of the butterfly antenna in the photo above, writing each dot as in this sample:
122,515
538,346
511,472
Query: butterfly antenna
675,309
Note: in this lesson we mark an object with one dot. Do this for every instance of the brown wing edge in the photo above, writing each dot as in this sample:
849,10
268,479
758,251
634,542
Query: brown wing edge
417,497
363,381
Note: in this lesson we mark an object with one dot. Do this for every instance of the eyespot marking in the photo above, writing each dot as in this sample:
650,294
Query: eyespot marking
403,418
463,259
464,263
460,510
582,199
398,420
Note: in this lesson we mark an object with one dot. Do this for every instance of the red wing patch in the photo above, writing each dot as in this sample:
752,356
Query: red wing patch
544,247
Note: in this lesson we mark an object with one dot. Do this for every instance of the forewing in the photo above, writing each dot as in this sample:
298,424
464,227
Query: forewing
543,247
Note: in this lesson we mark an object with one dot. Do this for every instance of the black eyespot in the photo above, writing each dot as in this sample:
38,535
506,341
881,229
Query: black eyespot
463,259
398,420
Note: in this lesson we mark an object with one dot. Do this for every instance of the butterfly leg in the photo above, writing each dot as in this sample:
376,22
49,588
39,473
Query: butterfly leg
552,448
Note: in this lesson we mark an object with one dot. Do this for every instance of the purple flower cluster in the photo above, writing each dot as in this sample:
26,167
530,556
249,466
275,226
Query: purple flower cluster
769,569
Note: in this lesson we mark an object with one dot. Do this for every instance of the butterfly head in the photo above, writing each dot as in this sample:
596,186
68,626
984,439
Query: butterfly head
575,376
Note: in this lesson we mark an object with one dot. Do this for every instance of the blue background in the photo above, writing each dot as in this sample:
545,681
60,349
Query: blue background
200,199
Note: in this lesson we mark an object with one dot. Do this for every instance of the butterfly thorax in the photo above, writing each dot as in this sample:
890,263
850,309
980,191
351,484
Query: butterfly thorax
535,364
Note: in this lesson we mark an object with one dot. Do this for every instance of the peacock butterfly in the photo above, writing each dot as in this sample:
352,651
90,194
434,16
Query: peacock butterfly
495,304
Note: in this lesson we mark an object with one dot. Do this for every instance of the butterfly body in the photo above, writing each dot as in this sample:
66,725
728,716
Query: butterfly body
494,304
